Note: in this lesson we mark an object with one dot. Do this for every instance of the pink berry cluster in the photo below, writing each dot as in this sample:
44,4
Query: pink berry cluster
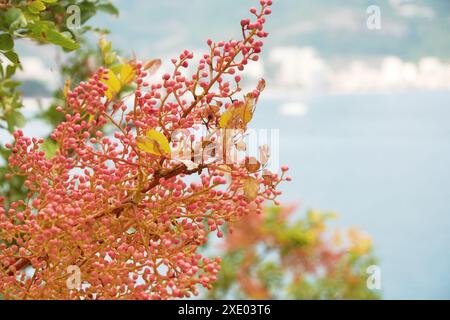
132,221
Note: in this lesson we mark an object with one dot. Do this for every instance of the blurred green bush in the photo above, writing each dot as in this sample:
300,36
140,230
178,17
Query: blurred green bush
276,256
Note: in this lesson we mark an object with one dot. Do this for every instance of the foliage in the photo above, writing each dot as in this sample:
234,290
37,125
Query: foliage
79,67
114,202
274,256
44,22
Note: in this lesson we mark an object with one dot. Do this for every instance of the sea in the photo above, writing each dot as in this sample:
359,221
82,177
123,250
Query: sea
382,162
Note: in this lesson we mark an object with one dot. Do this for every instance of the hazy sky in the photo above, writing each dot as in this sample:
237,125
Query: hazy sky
314,45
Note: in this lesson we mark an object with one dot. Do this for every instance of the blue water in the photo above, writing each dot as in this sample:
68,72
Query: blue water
383,163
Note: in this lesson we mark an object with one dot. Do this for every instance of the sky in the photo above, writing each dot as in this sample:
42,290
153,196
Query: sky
314,46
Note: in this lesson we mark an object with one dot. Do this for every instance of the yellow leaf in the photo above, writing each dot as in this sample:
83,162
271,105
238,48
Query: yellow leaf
154,142
113,84
66,87
251,189
360,243
105,46
237,117
126,73
119,76
225,119
247,109
315,216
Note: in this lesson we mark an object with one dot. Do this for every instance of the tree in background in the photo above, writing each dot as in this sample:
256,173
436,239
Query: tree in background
58,23
46,22
276,256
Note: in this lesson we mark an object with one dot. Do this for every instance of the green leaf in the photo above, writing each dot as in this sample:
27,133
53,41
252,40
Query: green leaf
36,6
6,42
87,10
12,14
46,31
15,18
12,56
58,38
10,83
10,70
19,119
40,28
15,119
108,8
49,1
50,148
